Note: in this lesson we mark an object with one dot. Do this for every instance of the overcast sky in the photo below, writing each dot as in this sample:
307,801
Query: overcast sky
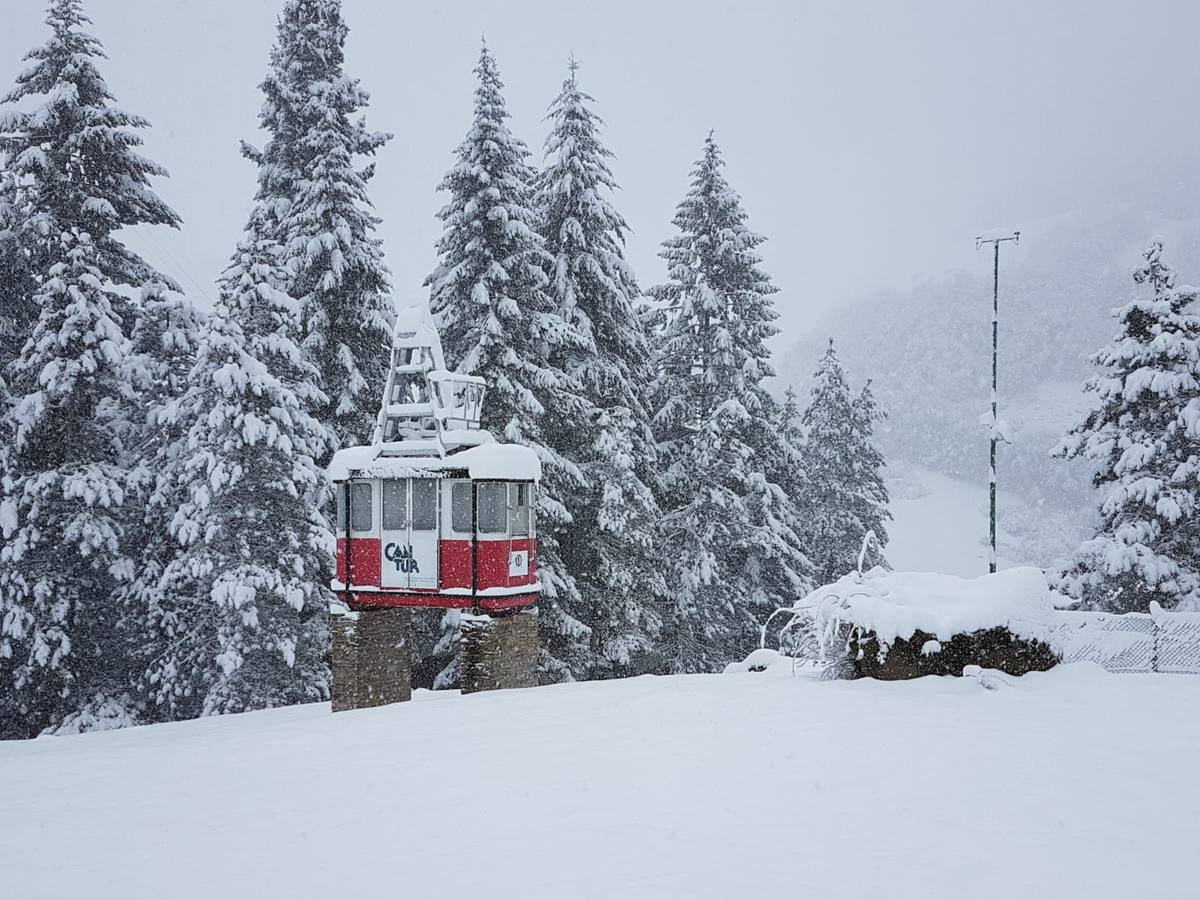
870,141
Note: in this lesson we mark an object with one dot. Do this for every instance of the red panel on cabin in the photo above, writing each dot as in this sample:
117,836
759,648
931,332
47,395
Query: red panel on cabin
493,564
375,599
339,571
454,564
512,601
364,561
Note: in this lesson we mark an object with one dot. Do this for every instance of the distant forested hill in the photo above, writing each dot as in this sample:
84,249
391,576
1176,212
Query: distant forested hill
928,348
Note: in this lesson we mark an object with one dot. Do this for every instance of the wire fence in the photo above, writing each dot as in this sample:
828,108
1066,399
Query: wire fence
1132,642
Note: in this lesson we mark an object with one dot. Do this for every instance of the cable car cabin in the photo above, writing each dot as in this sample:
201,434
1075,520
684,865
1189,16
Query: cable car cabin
434,512
440,532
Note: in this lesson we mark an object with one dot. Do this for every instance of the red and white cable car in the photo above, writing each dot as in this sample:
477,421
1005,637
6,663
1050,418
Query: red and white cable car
434,512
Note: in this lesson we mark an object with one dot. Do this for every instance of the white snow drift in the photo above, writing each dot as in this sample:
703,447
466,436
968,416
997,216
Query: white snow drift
1071,783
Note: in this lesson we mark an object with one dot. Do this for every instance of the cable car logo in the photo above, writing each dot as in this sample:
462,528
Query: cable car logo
402,558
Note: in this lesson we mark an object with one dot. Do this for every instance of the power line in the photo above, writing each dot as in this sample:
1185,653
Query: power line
164,254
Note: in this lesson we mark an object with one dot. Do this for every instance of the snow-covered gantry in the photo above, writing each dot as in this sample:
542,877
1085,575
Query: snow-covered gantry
434,512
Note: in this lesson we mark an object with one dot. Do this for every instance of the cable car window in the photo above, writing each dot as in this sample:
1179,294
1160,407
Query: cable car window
424,504
395,505
518,504
360,506
493,507
460,507
339,520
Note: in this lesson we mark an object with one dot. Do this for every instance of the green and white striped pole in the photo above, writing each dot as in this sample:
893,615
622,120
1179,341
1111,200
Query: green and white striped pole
995,424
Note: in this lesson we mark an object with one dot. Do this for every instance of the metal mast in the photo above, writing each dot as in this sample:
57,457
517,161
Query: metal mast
1015,237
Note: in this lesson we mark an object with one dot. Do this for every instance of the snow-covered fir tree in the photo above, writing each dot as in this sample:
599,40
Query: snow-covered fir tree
17,286
781,450
73,179
610,543
162,354
63,489
75,157
844,495
790,434
871,498
727,534
18,311
310,169
1143,435
436,637
490,297
241,616
312,202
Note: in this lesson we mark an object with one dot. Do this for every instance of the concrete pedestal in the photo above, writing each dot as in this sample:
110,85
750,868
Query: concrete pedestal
499,652
371,658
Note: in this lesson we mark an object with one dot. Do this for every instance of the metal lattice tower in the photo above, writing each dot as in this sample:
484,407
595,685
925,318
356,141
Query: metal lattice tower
426,408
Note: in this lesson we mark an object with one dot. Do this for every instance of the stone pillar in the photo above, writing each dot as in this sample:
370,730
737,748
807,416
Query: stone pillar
343,657
371,658
499,651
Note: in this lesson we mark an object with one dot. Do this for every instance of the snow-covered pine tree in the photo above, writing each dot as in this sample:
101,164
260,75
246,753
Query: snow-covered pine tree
242,610
335,261
780,448
609,545
436,637
74,178
162,354
844,496
1143,434
60,514
17,309
18,312
312,200
489,295
791,438
74,157
871,499
726,534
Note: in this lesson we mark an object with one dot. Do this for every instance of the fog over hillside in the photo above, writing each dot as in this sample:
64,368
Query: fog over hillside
927,349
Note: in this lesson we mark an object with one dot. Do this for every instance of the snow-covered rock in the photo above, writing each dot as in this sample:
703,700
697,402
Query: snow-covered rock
896,606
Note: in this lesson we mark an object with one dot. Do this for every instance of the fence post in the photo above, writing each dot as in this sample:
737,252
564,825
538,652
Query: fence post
1155,610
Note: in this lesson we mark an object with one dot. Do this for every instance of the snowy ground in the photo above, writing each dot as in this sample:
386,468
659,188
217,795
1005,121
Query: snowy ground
1072,783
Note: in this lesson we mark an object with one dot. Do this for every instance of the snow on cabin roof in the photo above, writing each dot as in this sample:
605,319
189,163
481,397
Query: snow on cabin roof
489,461
894,605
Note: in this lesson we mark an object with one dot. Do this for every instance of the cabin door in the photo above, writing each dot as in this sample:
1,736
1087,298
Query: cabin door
423,532
409,534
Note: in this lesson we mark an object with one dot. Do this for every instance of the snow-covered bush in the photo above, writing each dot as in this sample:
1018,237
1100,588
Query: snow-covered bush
101,713
907,624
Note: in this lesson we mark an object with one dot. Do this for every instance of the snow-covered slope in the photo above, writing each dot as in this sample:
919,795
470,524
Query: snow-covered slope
1067,784
941,525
